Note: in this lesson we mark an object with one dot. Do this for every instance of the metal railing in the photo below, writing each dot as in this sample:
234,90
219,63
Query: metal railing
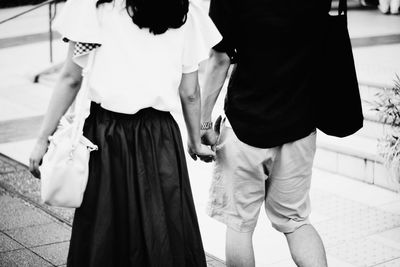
52,13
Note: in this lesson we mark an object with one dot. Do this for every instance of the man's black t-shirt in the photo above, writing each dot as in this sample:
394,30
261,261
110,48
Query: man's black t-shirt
272,43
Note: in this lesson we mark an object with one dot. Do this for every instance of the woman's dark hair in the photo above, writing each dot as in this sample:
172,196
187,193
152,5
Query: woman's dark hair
156,15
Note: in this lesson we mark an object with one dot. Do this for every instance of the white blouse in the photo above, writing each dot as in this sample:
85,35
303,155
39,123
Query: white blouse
133,68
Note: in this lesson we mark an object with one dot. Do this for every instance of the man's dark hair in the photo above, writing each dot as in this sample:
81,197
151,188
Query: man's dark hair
156,15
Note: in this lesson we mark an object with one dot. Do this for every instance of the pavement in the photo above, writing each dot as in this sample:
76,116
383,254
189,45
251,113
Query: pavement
31,233
359,223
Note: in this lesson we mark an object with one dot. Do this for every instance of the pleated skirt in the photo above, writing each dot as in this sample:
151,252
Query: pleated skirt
138,207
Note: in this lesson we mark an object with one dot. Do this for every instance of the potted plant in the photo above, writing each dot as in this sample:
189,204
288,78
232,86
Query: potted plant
387,106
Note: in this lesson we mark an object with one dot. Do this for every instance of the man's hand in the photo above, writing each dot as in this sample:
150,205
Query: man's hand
210,137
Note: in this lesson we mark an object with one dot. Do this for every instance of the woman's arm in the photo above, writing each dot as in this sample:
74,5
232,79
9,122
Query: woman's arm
191,104
63,95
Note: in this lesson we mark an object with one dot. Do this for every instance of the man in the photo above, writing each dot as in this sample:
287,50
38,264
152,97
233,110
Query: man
266,144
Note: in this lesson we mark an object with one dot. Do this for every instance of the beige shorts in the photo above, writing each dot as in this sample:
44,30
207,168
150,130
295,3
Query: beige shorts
245,177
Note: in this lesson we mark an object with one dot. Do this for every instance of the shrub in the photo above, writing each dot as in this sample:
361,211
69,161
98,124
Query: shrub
387,106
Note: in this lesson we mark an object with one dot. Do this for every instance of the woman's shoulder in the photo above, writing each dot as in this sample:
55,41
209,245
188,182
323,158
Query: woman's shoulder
198,6
197,11
198,20
200,36
79,21
199,24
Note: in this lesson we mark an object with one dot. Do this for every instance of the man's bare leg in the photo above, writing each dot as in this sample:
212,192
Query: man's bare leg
306,247
239,249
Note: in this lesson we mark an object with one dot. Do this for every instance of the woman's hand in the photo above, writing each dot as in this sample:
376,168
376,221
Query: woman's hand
203,152
35,160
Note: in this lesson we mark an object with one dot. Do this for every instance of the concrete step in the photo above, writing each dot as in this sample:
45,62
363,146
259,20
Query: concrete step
27,39
374,127
368,91
356,157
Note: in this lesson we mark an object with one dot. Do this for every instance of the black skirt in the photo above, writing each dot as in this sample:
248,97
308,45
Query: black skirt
138,207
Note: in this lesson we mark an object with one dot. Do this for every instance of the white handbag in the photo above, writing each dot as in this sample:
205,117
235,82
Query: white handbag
65,167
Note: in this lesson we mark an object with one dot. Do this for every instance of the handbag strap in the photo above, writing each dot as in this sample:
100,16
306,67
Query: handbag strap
342,9
82,103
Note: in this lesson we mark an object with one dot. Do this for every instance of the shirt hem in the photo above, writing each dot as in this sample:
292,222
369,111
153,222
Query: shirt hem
271,139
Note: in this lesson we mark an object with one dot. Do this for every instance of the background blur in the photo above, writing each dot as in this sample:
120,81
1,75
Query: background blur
356,205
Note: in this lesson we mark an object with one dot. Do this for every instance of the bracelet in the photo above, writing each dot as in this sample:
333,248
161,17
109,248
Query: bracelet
206,125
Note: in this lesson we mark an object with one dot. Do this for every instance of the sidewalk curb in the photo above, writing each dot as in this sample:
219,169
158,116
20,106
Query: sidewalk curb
39,206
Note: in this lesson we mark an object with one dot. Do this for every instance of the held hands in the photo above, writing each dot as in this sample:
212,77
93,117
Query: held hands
201,151
209,138
35,159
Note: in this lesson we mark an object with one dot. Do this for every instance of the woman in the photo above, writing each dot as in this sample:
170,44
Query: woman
137,208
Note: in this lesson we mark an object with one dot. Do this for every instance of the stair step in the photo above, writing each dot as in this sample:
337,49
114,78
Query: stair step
27,39
368,91
355,157
361,147
374,127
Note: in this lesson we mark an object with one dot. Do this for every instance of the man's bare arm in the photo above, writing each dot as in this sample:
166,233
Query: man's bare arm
216,73
215,76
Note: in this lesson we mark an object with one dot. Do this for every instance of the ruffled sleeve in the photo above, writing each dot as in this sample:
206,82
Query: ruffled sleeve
200,36
79,22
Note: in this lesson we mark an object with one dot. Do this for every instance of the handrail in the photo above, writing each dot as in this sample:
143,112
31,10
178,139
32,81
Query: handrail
29,10
52,14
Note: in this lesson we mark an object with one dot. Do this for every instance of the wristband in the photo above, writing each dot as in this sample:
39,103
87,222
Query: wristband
206,125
